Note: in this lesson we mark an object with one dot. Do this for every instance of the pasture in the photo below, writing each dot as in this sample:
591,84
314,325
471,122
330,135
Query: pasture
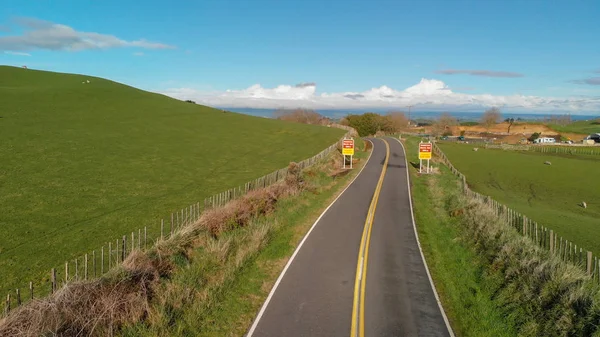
84,163
580,127
548,194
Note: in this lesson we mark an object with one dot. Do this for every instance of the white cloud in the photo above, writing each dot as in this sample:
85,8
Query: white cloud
38,34
427,94
17,53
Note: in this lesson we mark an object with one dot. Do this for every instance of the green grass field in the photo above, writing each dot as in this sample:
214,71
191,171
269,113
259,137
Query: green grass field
548,194
581,127
82,164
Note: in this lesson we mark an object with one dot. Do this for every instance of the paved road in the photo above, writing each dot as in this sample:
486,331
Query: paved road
317,294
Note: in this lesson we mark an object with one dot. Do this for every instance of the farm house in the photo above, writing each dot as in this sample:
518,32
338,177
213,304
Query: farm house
545,140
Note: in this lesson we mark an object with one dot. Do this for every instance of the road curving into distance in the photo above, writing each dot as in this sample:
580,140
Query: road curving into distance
359,271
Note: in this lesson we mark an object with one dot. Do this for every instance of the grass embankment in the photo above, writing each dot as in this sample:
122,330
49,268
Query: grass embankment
580,127
548,194
211,278
86,163
491,280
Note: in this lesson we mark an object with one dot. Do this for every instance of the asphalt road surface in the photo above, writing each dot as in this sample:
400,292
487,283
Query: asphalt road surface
359,272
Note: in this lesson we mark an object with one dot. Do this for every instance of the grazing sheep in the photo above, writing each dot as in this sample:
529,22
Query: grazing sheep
547,163
583,204
475,149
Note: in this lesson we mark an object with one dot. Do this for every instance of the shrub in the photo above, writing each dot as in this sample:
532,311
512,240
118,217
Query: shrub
534,136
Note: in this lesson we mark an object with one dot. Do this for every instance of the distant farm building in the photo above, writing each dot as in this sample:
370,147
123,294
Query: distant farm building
544,140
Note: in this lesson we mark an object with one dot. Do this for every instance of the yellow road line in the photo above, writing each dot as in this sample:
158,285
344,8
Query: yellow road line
358,305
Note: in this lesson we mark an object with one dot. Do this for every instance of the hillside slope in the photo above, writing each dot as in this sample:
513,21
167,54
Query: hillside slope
83,163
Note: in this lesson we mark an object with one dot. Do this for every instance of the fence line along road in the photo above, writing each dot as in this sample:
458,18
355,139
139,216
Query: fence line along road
541,235
113,252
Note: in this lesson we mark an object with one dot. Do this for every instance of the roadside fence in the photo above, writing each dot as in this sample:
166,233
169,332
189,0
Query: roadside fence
541,235
554,149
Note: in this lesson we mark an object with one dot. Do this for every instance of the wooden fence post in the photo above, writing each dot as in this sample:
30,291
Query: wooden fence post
85,267
109,255
66,271
132,244
162,228
551,242
7,307
139,238
30,290
18,297
76,269
145,235
102,261
172,223
53,280
94,262
124,248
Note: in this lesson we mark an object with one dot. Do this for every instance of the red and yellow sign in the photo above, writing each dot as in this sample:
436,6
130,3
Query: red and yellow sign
425,150
348,147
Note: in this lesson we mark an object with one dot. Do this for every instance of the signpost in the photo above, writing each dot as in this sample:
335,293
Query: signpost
424,153
348,150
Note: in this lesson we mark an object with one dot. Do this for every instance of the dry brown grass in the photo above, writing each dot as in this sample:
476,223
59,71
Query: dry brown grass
92,308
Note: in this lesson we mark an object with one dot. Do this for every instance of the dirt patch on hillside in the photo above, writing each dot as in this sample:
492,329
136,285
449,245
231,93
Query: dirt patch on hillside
518,131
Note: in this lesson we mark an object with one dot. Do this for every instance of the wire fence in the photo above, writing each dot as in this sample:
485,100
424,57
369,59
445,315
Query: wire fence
554,149
113,252
541,235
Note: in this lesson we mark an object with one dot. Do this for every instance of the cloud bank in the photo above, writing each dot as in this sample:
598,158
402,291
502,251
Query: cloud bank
43,35
17,53
590,81
485,73
427,94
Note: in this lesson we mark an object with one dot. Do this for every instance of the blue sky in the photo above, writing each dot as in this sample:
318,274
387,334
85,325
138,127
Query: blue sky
200,49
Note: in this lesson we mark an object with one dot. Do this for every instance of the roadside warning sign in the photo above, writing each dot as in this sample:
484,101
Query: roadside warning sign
425,151
348,147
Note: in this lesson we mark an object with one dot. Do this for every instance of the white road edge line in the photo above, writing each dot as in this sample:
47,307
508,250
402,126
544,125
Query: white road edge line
266,304
437,298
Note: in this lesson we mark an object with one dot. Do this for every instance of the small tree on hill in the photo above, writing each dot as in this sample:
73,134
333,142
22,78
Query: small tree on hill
490,117
534,136
510,122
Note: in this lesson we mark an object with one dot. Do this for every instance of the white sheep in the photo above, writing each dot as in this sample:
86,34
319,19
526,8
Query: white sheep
583,204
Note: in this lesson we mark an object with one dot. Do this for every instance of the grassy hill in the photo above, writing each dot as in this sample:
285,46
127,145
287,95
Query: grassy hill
548,194
580,127
83,163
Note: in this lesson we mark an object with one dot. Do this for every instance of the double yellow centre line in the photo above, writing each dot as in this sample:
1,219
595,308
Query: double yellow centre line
358,306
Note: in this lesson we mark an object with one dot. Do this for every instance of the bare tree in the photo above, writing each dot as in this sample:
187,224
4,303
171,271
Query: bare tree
397,121
510,122
300,116
444,124
490,117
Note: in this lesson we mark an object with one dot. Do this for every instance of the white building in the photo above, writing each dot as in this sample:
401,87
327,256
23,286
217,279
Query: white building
544,140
